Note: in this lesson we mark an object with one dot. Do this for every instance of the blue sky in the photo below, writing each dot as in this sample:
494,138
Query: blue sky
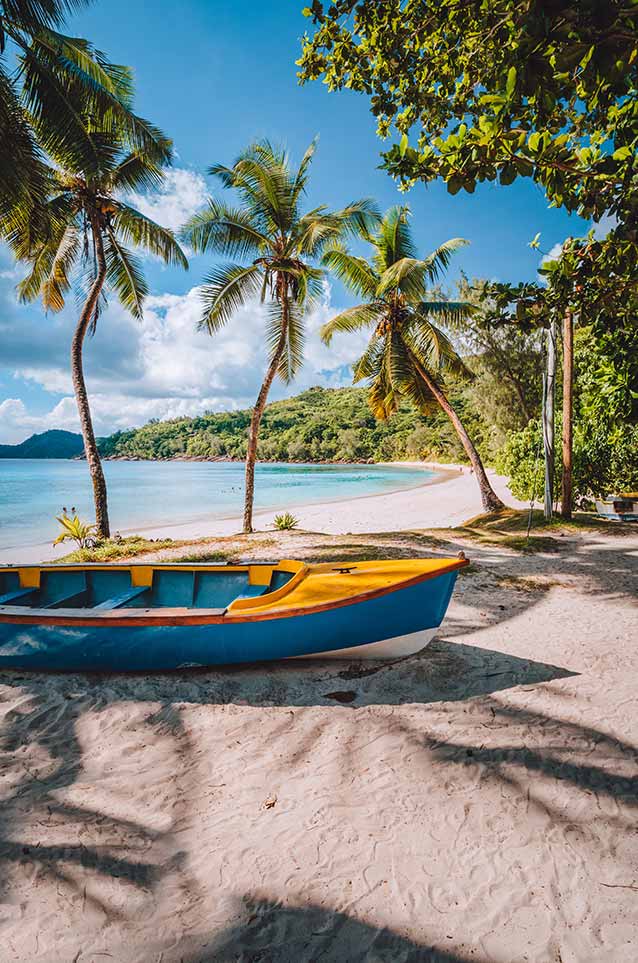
216,75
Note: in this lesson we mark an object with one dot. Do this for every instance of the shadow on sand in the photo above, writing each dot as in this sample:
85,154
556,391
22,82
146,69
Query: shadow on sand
274,933
127,861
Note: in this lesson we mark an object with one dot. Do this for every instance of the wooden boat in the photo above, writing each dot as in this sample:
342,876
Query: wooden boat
163,616
621,508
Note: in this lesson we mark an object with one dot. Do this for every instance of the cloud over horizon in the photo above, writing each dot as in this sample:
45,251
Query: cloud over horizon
161,367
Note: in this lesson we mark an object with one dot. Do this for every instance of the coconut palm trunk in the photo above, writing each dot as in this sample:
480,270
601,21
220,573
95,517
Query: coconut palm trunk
258,410
568,413
82,399
489,498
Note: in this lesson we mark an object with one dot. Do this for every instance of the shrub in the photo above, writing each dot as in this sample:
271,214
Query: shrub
285,522
82,533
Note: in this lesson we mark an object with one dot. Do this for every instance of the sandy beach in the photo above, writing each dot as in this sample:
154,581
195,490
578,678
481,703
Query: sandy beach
475,802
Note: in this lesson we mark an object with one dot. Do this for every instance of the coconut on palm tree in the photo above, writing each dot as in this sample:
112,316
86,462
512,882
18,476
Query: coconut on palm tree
39,69
408,353
84,232
279,247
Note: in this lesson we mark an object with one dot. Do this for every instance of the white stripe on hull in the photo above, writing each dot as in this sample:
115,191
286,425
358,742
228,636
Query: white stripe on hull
384,649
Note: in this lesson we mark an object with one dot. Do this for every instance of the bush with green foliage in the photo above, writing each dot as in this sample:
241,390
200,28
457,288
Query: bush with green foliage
605,426
285,522
84,534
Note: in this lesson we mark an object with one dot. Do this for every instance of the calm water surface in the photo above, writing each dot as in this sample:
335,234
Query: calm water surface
153,494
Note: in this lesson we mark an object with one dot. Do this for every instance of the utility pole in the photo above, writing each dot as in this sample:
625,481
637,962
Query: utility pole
549,384
568,407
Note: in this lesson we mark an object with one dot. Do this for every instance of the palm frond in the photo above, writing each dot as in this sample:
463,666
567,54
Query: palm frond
355,272
224,291
125,275
370,363
352,319
432,347
301,177
225,230
360,218
451,313
393,240
55,286
407,275
23,180
285,337
261,177
136,228
136,172
439,260
416,390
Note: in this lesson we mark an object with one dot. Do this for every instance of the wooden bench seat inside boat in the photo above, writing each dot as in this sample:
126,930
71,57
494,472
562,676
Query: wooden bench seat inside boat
105,588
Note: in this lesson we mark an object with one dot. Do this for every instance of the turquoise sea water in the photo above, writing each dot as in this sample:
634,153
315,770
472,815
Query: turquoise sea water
147,495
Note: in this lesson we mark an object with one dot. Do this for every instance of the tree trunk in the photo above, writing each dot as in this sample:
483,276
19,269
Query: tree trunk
549,390
489,498
81,397
568,407
258,410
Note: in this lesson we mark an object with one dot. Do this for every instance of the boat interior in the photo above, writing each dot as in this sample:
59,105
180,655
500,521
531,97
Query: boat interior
140,586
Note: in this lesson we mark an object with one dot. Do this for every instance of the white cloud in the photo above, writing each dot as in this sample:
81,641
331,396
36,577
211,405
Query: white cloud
162,367
182,193
16,423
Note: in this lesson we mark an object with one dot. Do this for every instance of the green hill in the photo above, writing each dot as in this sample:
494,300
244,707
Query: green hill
319,425
48,444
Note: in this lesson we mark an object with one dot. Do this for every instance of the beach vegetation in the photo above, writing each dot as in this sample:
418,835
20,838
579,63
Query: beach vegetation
84,232
409,354
75,530
285,522
118,549
278,246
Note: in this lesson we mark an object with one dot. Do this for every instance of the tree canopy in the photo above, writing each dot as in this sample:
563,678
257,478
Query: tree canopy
477,91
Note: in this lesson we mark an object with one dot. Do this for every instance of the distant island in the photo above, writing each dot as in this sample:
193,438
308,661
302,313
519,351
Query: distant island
48,444
319,425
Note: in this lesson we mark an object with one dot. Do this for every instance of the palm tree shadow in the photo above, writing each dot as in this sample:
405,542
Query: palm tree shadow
278,933
32,813
442,672
579,757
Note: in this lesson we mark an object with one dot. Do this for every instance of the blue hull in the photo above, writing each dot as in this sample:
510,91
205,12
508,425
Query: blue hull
155,648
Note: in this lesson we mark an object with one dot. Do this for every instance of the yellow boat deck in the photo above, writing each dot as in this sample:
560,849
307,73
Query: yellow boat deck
330,584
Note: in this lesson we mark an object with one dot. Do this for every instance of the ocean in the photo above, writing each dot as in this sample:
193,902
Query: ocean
150,495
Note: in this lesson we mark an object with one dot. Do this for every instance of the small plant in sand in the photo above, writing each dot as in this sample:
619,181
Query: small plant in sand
82,533
285,522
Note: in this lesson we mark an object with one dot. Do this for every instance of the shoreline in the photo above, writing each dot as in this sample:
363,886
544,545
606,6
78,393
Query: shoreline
445,500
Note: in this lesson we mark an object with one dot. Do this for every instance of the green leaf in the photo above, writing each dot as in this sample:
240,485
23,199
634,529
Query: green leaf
403,145
510,86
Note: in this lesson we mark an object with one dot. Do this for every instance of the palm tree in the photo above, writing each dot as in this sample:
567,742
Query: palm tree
283,243
83,230
38,117
408,354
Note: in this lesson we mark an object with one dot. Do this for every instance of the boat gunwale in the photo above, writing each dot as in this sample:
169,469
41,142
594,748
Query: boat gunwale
158,617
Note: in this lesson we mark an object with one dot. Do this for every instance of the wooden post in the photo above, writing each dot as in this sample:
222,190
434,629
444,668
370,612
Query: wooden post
549,380
568,416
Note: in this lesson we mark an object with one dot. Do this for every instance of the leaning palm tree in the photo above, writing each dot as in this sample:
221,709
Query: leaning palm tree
408,354
38,67
84,229
282,243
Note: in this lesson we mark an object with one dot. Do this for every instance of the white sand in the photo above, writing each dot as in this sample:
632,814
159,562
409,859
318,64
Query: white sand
449,500
476,802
